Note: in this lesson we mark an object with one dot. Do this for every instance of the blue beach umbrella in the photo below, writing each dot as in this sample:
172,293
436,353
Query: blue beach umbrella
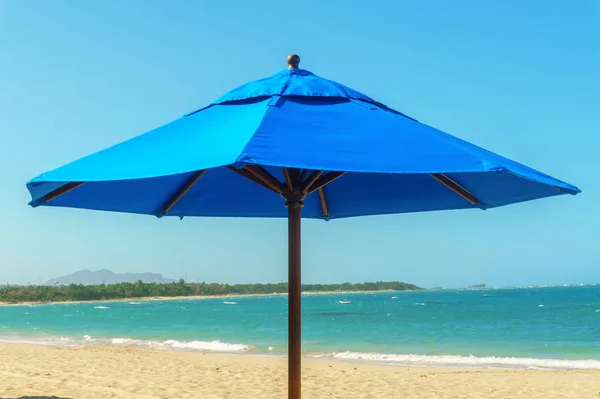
297,141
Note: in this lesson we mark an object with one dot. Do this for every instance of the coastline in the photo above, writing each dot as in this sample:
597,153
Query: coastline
217,347
135,327
194,297
100,372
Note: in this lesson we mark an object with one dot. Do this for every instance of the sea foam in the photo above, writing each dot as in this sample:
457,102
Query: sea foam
465,361
50,341
210,346
88,340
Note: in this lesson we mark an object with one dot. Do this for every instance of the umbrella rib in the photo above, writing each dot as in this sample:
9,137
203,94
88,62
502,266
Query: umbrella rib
251,177
303,174
265,177
454,186
288,179
182,191
312,178
62,190
323,203
324,180
295,174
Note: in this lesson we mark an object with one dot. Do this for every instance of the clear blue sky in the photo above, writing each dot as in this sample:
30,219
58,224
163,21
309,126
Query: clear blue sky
520,78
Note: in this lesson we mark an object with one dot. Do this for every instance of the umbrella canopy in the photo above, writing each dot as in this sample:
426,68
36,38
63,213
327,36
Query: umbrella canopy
296,139
294,119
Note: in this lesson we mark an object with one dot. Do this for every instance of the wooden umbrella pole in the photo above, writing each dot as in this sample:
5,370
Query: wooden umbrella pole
295,188
294,299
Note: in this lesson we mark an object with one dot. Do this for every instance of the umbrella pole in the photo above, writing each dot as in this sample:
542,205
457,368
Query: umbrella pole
294,299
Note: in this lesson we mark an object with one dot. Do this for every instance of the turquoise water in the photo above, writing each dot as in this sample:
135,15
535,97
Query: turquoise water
520,327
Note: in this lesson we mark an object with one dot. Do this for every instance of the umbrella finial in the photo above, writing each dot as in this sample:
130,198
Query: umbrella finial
293,61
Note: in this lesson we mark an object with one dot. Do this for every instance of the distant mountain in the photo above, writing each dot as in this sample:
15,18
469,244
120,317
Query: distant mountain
104,276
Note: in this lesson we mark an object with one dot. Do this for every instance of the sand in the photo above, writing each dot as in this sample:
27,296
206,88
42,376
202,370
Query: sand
29,371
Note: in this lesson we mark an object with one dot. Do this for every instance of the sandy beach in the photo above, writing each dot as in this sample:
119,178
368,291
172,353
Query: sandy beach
28,371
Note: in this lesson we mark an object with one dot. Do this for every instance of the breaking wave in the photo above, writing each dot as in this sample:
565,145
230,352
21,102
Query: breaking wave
465,361
210,346
87,340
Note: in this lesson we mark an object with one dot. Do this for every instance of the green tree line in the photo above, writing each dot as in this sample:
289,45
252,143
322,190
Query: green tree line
79,292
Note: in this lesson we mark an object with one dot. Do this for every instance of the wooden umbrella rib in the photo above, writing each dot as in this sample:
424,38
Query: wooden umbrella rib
324,180
454,186
312,178
323,203
295,174
265,177
251,177
65,188
183,190
288,179
303,174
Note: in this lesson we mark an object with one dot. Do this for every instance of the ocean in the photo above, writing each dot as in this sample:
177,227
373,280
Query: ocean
529,327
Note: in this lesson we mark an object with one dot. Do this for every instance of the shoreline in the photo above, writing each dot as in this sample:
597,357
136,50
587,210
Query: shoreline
195,297
135,373
452,362
309,357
